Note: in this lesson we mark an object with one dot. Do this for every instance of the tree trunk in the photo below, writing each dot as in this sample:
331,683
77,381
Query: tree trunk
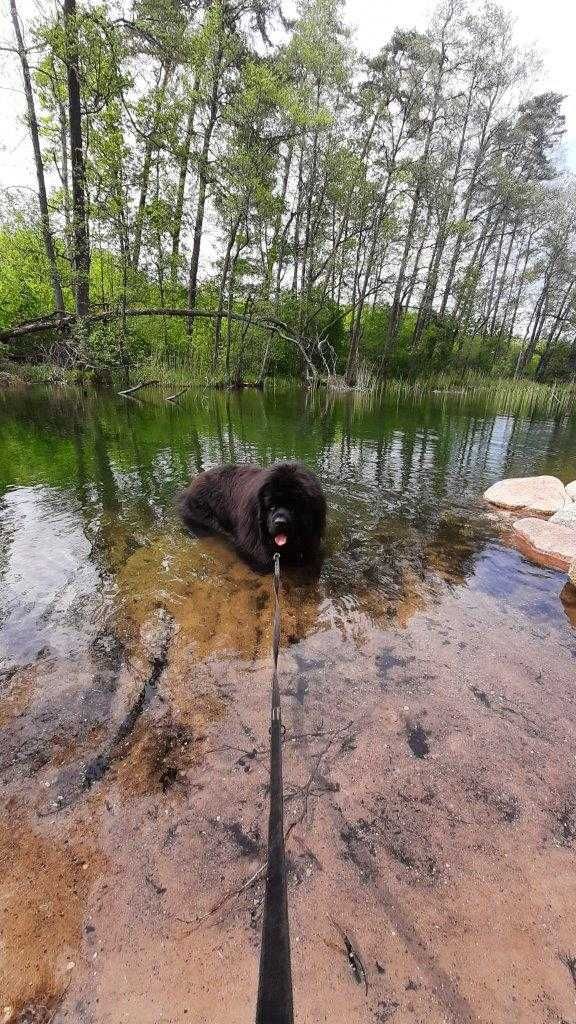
521,283
274,254
296,247
203,182
223,281
503,279
35,137
469,196
394,319
352,361
489,303
182,175
64,176
151,141
532,337
429,294
81,253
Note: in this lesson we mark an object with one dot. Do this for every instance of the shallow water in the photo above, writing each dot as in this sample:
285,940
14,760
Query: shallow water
429,694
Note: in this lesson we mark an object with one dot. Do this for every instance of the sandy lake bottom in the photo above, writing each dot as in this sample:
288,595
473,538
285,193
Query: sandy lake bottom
429,693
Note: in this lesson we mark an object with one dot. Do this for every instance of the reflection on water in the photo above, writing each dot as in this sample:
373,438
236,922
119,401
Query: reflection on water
52,589
88,526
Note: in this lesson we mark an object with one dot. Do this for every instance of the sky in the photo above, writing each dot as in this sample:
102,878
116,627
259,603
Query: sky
549,27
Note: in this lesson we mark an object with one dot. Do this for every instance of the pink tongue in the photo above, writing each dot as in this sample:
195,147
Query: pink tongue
280,539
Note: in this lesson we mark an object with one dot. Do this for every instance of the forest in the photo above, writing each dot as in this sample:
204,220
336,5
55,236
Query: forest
227,193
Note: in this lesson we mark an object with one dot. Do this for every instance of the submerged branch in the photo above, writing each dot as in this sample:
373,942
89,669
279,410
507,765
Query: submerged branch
138,387
172,398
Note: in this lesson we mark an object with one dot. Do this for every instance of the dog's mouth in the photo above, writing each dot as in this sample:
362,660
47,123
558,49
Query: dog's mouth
280,527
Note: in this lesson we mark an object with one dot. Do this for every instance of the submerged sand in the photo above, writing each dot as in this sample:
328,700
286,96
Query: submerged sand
430,781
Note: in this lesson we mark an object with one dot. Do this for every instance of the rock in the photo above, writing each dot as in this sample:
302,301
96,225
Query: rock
571,490
572,573
534,493
566,516
554,541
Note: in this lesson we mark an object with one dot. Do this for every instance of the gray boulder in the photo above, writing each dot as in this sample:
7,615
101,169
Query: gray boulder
566,516
571,490
554,541
534,493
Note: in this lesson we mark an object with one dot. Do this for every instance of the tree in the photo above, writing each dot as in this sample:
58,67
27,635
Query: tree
81,251
35,139
407,212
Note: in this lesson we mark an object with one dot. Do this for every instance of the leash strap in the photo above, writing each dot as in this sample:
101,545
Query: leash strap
275,982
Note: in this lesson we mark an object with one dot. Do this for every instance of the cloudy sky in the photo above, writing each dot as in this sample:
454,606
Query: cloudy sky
549,27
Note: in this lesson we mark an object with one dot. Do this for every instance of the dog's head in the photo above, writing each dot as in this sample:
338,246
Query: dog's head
292,511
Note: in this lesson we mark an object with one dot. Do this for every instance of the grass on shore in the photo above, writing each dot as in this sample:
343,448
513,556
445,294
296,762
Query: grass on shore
518,396
521,397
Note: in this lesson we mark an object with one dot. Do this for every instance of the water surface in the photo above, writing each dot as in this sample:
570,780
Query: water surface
87,480
429,694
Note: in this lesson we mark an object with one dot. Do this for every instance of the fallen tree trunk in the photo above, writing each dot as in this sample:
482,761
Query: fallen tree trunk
51,323
138,387
172,398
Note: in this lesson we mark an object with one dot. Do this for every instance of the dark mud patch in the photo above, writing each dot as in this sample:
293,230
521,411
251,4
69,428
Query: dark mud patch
96,769
301,866
506,805
567,825
108,650
161,757
401,855
481,696
175,831
564,827
50,711
385,1011
358,849
406,845
41,1008
29,758
386,662
308,664
425,866
6,675
570,963
249,845
417,739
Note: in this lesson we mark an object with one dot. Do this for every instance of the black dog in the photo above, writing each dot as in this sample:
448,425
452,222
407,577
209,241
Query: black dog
260,511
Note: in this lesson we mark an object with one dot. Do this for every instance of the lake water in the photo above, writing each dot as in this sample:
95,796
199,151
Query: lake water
430,701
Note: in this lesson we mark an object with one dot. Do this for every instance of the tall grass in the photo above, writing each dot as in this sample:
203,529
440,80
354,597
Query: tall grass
498,394
469,389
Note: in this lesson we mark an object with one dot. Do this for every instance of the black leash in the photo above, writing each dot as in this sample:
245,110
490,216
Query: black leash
275,983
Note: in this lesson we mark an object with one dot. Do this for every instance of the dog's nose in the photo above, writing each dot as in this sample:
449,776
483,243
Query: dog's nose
281,518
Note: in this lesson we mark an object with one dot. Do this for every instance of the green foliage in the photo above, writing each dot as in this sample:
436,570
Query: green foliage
25,289
557,363
311,179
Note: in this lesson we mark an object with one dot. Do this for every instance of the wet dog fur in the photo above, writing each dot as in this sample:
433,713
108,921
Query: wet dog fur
251,507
